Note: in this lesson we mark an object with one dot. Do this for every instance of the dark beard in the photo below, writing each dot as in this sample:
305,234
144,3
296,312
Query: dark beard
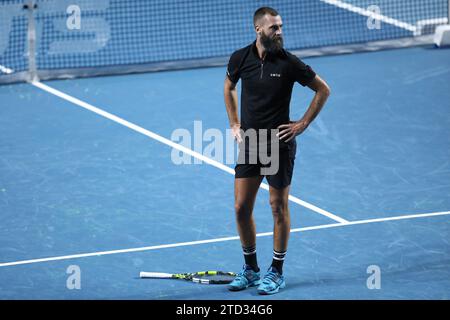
272,45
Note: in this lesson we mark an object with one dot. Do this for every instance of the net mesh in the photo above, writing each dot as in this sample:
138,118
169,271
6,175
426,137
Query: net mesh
83,34
13,38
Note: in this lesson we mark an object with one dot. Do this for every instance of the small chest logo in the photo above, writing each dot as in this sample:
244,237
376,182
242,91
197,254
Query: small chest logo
275,75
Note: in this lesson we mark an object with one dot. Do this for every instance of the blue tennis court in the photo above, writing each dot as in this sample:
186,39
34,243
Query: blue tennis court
88,179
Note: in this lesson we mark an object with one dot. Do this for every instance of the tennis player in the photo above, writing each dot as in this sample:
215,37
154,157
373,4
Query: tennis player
268,74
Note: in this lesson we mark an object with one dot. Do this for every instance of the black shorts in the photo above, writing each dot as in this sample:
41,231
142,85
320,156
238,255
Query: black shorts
282,178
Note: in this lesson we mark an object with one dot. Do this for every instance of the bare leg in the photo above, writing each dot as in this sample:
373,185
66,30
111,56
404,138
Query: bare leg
245,191
282,221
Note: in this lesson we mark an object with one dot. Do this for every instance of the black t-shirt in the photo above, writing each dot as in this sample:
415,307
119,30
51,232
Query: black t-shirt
266,85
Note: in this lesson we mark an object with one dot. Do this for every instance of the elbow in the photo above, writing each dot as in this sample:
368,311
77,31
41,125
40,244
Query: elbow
322,88
228,88
326,90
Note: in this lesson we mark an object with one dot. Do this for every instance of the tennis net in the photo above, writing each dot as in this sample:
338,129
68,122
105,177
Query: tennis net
65,38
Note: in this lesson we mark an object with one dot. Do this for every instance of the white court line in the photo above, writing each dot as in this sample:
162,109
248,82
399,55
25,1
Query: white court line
192,243
371,14
172,144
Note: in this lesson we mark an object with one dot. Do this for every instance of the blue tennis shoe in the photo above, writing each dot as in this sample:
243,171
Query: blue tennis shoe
272,282
244,279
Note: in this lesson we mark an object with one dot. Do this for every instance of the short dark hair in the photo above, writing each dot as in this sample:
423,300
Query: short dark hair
261,12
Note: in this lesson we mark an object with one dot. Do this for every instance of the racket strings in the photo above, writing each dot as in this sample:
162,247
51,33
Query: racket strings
214,277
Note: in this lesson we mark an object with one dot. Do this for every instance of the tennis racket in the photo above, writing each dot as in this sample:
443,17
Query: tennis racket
205,277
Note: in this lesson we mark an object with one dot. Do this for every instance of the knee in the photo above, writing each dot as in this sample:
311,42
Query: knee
242,211
279,209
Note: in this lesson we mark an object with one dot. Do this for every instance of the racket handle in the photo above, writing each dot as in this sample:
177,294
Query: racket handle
143,274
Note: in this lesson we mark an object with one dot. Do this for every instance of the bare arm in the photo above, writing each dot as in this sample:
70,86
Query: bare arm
231,104
291,130
322,93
